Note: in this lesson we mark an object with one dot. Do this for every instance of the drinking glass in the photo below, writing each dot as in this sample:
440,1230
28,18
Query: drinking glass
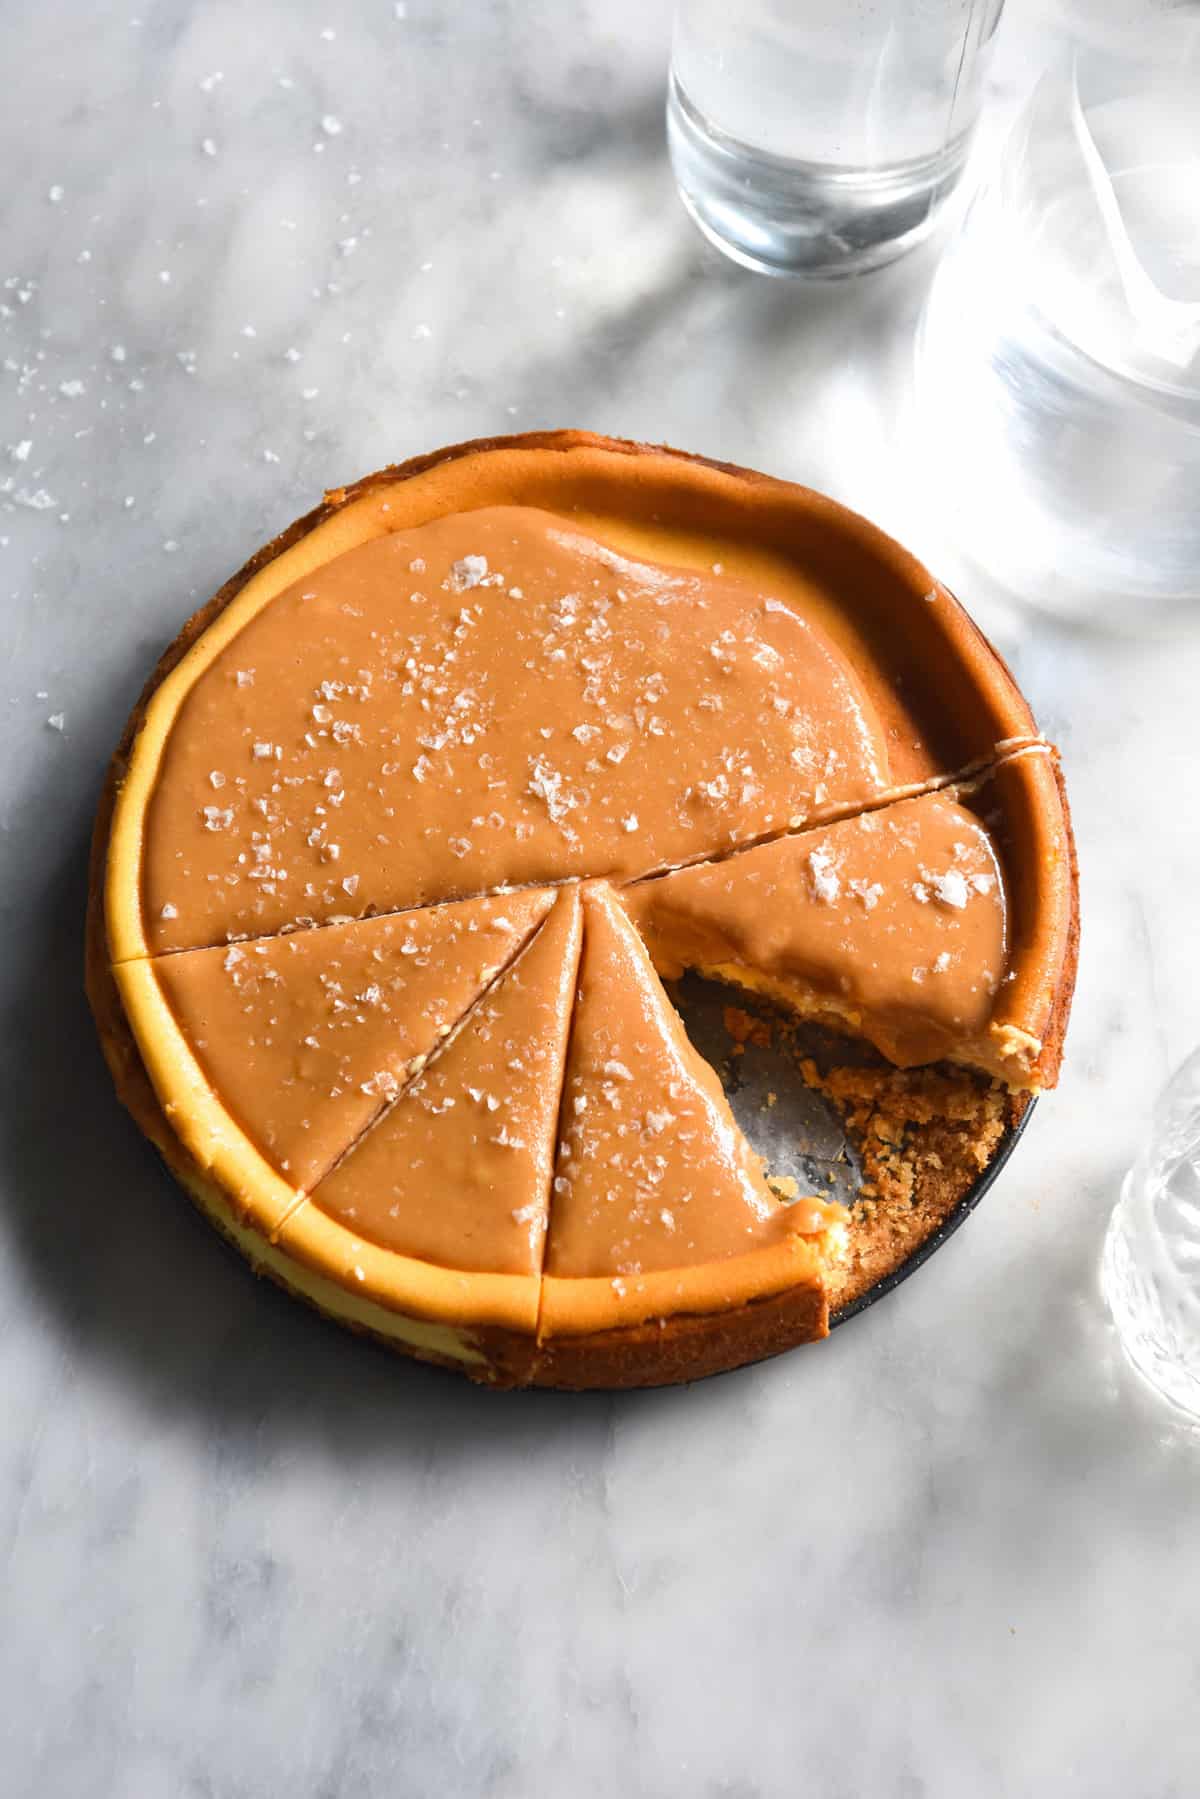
1151,1265
1058,363
821,137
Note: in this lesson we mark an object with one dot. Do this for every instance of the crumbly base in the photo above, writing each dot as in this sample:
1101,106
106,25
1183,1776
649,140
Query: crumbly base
922,1136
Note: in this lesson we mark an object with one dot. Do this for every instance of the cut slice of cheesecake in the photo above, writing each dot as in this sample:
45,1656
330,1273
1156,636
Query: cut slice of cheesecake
936,927
660,1206
306,1036
456,1174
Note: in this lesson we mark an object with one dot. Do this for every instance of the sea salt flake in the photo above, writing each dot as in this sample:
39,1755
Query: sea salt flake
869,892
617,1071
825,880
630,822
467,572
169,911
950,889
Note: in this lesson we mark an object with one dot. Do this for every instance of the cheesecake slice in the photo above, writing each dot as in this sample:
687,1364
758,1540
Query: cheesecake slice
660,1206
456,1173
935,927
307,1036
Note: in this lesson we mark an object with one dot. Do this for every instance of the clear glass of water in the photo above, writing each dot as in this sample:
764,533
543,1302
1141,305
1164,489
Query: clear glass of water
821,137
1058,363
1151,1265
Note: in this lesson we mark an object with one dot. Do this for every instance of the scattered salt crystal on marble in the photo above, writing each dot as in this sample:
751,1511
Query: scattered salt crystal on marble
310,393
331,126
57,721
71,390
164,276
209,82
20,452
208,146
117,353
269,456
55,194
128,501
420,331
291,354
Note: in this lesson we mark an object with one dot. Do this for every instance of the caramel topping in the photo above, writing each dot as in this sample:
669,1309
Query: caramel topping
652,1171
895,919
490,699
306,1037
458,1172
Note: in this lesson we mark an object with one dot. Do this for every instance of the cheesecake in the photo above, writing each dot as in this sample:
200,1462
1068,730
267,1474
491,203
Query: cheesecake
417,815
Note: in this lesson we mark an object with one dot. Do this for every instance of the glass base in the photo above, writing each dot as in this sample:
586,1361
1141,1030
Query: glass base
815,220
1153,1311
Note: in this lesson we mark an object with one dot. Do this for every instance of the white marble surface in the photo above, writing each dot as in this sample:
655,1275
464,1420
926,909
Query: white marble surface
951,1552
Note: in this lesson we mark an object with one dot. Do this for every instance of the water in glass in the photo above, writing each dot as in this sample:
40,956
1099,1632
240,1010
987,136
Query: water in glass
820,137
1058,367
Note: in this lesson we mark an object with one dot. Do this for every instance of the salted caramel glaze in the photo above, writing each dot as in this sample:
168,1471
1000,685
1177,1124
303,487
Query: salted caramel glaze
457,1172
406,835
894,921
491,699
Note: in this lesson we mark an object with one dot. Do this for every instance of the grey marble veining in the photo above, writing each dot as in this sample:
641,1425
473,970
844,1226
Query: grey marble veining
952,1551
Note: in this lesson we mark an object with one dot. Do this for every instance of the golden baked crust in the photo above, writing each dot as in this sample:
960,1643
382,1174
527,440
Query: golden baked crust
972,704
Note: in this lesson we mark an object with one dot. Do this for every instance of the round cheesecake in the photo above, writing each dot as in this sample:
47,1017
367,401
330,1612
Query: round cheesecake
414,819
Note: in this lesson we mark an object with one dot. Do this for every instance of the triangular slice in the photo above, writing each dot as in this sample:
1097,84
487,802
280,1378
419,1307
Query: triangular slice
305,1037
660,1205
458,1172
901,925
